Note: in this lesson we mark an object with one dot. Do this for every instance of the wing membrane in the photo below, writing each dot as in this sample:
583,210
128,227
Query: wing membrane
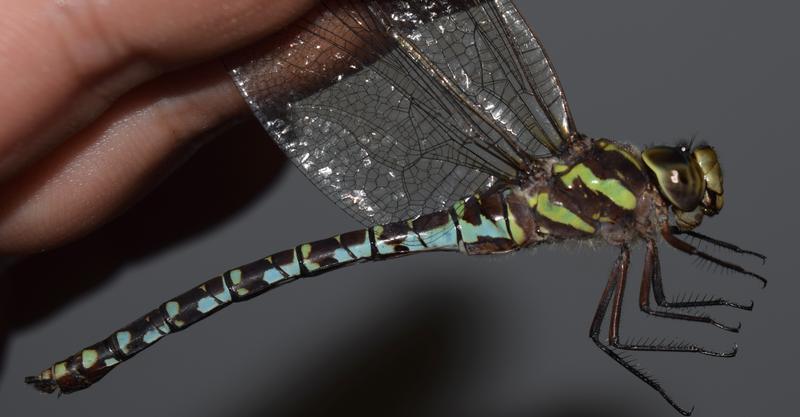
395,109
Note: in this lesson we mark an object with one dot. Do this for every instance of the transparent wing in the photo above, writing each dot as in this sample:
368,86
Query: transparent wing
396,109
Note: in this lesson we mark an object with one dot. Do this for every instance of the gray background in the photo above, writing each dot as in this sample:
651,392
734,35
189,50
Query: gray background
444,334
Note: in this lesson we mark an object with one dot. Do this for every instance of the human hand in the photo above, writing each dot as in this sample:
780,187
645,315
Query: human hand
102,98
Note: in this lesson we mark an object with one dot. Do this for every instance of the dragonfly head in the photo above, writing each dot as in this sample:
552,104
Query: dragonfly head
690,179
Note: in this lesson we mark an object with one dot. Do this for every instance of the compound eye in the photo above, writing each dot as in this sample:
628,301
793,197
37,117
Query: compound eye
679,178
706,157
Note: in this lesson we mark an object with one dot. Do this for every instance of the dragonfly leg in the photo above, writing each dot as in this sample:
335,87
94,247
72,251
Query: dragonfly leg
682,246
652,276
730,246
662,346
614,286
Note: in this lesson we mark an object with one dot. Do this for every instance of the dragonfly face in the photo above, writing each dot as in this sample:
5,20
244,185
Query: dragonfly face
690,180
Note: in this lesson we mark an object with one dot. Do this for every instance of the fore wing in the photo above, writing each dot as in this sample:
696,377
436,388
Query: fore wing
396,109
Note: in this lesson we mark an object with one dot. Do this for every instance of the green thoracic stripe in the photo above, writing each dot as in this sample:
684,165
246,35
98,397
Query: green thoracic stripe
561,214
610,147
611,188
515,229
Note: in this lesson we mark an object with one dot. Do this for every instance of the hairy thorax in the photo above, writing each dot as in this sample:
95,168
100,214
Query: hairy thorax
602,192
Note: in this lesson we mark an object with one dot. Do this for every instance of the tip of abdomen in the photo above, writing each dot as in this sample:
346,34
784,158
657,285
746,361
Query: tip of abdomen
70,375
44,382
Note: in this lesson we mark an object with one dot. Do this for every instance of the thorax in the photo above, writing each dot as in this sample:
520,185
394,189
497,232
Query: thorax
598,191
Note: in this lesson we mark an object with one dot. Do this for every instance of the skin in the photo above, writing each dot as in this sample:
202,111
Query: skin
106,97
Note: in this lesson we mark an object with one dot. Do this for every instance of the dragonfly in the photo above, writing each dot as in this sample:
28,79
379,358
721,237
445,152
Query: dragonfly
441,125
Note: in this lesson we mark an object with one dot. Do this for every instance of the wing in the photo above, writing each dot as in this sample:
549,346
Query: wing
396,109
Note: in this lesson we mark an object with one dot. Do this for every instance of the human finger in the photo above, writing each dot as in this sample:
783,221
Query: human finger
71,60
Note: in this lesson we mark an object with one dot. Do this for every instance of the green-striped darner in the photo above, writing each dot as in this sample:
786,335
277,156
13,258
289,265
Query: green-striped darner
445,123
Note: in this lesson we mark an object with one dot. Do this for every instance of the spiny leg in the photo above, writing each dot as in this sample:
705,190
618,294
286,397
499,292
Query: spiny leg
651,275
616,315
658,289
617,275
730,246
682,246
